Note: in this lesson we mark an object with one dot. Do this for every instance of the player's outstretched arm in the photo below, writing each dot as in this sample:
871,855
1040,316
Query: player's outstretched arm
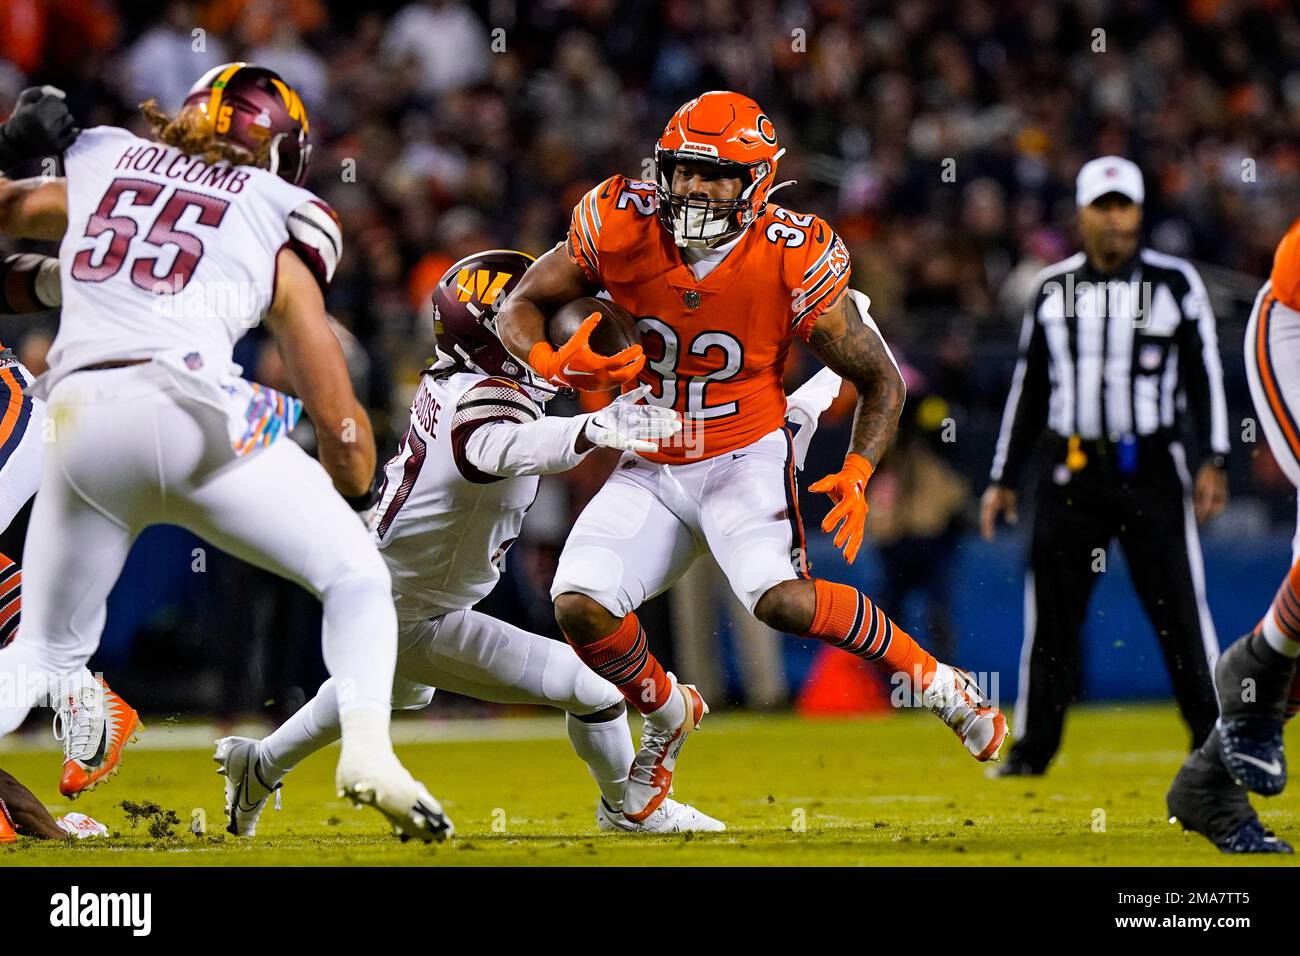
550,282
314,360
844,340
497,434
34,208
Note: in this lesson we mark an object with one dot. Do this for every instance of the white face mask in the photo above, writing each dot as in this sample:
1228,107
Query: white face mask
693,227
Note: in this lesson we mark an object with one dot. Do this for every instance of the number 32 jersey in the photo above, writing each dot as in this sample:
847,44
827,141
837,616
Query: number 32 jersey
164,251
715,347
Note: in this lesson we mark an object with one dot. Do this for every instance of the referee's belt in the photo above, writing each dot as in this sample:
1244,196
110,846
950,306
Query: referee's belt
1124,454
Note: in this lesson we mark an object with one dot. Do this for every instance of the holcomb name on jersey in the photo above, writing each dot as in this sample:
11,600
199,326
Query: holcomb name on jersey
181,253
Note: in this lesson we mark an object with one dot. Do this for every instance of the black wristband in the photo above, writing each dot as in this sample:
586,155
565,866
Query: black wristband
367,499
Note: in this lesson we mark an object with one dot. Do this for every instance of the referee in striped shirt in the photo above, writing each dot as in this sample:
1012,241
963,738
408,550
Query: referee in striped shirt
1119,361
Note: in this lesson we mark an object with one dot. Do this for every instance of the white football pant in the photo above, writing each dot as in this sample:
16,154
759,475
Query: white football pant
127,450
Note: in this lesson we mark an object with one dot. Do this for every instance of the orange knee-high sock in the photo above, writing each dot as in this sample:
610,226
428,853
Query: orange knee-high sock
623,658
846,618
11,599
1281,625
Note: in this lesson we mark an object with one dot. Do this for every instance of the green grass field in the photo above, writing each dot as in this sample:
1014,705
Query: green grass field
896,791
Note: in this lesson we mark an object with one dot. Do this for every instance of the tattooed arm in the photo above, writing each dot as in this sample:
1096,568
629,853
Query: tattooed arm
845,343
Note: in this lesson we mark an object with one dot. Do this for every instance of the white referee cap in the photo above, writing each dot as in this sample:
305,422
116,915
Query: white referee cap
1109,174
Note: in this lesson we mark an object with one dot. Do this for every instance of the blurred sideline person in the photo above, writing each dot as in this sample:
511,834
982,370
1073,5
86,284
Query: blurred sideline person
454,500
1118,357
916,520
725,283
170,251
1256,676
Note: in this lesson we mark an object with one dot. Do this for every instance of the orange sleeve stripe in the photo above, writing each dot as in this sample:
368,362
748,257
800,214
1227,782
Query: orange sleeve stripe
14,408
584,231
1281,414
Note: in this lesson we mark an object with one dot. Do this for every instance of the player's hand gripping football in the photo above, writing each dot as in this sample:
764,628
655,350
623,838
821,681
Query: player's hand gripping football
848,490
630,424
574,363
40,125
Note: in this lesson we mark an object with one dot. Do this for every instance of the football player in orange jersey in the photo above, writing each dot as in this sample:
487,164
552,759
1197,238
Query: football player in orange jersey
723,281
1256,677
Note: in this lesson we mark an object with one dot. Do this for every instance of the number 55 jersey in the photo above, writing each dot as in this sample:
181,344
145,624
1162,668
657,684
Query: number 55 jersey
716,347
165,251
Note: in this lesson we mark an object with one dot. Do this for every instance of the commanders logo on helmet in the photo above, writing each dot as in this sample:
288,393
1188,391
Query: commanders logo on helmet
253,107
728,131
465,306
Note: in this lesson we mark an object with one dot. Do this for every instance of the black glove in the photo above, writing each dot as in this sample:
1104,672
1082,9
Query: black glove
40,125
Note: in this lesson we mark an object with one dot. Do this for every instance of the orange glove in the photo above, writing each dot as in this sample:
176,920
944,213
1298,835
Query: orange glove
574,363
848,489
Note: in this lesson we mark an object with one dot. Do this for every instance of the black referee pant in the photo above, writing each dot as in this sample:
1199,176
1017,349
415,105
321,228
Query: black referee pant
1076,517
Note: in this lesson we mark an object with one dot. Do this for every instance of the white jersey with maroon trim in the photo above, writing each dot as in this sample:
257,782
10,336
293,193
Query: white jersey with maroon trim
165,252
443,523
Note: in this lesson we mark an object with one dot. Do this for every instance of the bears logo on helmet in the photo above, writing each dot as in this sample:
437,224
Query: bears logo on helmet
465,305
253,107
732,132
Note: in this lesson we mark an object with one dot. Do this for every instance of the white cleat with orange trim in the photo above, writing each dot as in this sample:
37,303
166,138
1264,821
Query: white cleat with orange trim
95,725
955,698
651,776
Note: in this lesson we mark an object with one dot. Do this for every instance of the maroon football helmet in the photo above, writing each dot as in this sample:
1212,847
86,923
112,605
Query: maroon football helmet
465,306
249,106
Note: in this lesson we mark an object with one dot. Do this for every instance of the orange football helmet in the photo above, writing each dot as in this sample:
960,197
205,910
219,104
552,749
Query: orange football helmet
733,132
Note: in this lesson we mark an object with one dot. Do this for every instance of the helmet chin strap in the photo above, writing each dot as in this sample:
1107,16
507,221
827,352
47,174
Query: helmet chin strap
274,168
788,182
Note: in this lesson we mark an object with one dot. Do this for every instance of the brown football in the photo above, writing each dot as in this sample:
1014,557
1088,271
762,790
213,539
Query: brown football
617,329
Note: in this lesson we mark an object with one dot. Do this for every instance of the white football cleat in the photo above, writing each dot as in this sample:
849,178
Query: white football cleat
246,791
955,698
380,781
651,777
669,817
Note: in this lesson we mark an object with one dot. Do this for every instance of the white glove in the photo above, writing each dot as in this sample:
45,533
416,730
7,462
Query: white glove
805,405
630,426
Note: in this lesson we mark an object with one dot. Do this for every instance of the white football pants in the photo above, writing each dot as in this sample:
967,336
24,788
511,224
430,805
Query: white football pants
128,450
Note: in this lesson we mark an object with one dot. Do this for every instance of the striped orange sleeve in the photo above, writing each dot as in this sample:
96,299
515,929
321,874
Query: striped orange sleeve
583,241
824,279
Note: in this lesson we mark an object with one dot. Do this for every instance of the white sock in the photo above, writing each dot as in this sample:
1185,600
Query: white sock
606,748
19,665
313,727
1276,638
359,640
671,713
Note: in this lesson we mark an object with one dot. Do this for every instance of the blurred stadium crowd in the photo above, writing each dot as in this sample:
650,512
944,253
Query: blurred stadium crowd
940,138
